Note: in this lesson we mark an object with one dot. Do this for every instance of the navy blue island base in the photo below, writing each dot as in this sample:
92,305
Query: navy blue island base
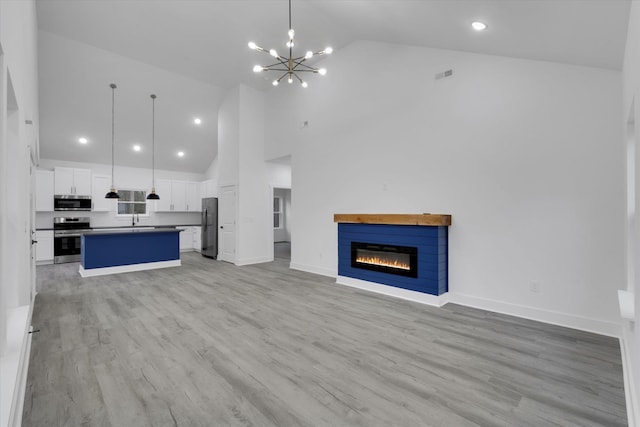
109,252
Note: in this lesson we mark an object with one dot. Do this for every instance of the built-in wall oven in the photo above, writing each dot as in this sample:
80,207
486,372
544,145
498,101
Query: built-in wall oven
66,238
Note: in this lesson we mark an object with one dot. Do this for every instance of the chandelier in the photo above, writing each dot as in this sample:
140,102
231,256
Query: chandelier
291,66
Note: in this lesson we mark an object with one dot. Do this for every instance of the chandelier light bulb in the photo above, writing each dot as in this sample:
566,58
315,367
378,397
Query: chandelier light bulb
322,71
291,34
273,53
275,83
328,50
252,45
257,68
304,84
308,55
290,43
290,79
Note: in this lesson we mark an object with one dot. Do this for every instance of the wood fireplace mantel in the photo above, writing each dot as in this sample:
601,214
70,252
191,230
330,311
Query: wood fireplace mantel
395,219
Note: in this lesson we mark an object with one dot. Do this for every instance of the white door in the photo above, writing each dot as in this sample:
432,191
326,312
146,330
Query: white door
227,223
32,225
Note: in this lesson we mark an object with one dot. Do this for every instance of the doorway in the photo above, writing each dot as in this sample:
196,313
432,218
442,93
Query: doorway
282,223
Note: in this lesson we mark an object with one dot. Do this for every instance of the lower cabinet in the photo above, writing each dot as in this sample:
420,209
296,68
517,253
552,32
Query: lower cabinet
44,247
190,239
197,239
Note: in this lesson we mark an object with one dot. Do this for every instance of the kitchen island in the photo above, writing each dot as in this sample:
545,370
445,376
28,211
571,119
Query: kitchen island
122,251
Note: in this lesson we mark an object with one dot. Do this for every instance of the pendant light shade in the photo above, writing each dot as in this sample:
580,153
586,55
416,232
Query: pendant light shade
112,193
153,195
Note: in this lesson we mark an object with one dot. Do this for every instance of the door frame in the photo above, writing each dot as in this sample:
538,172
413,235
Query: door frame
221,253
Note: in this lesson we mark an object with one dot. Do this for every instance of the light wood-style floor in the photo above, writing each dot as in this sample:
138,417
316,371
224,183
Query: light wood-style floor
212,344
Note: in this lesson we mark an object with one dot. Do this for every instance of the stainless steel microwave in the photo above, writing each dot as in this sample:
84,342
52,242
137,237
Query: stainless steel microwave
71,203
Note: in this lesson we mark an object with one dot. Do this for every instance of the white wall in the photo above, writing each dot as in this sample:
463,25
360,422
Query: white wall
631,112
254,193
527,156
241,162
18,141
125,178
228,139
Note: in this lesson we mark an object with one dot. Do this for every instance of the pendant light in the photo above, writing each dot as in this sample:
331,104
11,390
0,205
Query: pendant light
112,193
153,195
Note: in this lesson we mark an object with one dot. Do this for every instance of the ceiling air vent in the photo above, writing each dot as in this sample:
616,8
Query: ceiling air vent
444,74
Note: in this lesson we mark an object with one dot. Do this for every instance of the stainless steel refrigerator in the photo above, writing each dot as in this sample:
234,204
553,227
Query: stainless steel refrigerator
210,227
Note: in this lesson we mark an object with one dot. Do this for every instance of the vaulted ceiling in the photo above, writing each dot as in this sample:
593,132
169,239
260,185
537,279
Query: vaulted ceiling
190,52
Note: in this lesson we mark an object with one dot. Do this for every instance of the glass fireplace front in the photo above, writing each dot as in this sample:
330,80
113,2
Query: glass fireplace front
400,260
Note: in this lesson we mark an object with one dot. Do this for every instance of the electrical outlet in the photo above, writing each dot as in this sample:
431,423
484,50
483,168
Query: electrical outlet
534,287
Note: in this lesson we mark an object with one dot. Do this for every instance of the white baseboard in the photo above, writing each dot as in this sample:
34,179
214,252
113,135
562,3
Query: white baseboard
630,391
14,365
313,269
91,272
435,300
249,261
602,327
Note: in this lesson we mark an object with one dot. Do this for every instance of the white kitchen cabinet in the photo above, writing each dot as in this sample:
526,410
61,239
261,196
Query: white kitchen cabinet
194,203
72,181
100,186
197,239
209,188
177,196
44,191
186,239
163,189
44,247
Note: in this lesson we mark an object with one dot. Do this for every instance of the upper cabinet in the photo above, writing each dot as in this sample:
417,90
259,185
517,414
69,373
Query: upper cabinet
72,181
209,188
44,191
100,186
177,196
194,202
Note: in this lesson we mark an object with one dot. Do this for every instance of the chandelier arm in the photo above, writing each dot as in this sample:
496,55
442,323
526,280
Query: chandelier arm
277,63
305,66
278,69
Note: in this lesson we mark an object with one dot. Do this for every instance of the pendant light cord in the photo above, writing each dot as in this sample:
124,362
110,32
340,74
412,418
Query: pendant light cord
113,120
153,142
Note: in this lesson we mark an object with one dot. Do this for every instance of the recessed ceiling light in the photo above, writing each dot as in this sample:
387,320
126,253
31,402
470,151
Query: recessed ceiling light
180,153
197,120
83,140
137,148
478,26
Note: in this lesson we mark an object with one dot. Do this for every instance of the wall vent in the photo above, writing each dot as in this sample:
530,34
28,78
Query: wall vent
444,74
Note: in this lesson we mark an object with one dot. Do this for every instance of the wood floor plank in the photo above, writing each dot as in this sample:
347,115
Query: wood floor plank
212,344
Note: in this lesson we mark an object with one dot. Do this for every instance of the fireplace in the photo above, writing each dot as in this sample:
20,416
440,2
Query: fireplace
397,254
386,258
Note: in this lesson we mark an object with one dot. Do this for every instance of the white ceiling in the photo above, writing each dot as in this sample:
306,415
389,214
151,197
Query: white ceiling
190,52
